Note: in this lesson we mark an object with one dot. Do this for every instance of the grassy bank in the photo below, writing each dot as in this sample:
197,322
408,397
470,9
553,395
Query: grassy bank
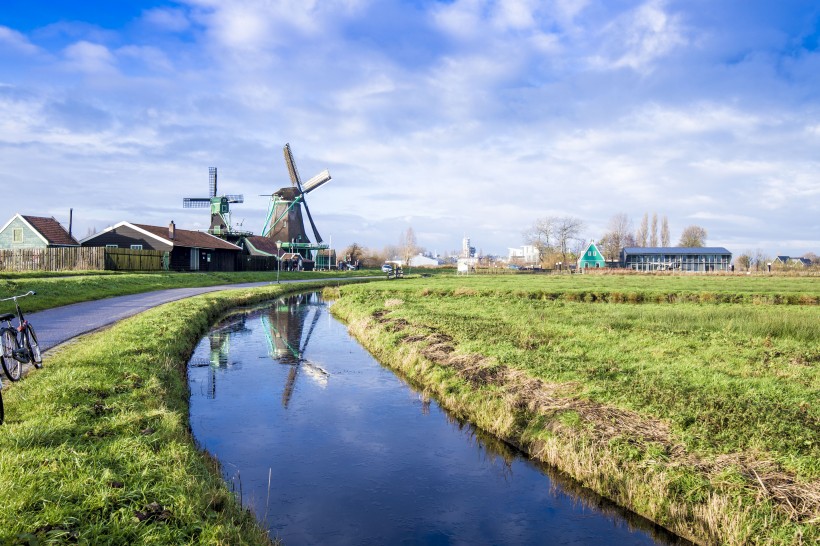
56,290
701,417
96,446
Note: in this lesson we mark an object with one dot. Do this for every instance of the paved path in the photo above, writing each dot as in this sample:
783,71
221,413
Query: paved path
58,325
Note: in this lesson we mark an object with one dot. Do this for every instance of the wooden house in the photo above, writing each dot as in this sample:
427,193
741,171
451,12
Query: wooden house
187,250
30,232
591,258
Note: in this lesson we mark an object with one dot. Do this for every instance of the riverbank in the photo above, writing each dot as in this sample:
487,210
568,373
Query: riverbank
96,446
700,417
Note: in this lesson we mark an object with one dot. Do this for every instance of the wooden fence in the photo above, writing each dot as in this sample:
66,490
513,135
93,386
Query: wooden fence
80,259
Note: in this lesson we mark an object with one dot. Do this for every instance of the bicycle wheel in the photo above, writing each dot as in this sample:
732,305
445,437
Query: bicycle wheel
2,411
11,365
32,346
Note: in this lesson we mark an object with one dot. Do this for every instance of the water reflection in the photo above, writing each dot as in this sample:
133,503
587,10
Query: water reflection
356,456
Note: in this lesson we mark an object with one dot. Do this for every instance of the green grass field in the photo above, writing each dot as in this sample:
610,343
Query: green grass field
698,413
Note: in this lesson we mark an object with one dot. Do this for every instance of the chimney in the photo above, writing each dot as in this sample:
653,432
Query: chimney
172,230
70,220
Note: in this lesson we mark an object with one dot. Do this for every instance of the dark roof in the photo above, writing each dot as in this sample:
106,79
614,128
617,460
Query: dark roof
51,230
188,238
262,245
676,250
783,259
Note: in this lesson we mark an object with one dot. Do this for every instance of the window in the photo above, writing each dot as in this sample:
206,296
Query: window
112,246
136,247
18,235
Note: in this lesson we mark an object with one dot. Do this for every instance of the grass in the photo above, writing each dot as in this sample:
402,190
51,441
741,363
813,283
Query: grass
55,290
698,413
96,447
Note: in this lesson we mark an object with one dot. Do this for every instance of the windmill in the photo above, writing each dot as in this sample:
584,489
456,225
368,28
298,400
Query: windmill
220,206
285,222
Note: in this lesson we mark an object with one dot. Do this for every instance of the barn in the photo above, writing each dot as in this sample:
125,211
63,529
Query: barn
187,250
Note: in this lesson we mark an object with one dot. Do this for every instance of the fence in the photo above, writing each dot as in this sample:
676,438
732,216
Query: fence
80,259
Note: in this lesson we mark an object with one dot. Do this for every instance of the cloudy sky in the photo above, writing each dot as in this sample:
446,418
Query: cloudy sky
464,117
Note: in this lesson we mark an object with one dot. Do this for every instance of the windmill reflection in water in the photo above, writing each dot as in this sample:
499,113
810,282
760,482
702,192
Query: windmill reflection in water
284,327
219,339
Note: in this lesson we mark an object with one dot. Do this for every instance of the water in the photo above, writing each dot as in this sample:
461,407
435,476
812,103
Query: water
356,456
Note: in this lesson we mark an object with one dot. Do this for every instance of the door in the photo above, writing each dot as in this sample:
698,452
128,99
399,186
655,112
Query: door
194,259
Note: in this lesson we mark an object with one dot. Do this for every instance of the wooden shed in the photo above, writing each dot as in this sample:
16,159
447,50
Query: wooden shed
29,232
187,250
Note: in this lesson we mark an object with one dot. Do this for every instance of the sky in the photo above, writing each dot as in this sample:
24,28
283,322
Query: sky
456,118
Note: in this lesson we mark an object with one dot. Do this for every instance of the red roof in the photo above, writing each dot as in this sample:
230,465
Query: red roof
51,230
188,238
262,245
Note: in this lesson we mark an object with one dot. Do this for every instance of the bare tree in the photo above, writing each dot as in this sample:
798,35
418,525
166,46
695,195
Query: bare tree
812,257
744,261
665,232
566,230
353,253
408,247
618,236
540,234
643,231
653,234
693,236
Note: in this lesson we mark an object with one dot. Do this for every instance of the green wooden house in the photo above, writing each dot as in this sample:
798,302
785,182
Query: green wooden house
591,258
28,232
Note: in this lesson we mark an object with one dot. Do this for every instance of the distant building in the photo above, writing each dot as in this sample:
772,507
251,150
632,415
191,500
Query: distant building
526,255
791,261
467,251
28,232
701,259
424,261
187,250
591,258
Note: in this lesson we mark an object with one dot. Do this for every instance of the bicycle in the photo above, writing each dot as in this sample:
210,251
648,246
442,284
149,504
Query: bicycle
19,343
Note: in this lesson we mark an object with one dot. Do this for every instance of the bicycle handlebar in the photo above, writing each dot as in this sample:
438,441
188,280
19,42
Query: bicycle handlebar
29,293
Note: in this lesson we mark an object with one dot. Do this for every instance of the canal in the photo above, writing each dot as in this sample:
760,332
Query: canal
326,446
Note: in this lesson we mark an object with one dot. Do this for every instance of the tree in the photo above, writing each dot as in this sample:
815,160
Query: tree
665,232
643,231
693,236
744,261
653,234
353,253
566,230
618,236
408,246
539,235
813,257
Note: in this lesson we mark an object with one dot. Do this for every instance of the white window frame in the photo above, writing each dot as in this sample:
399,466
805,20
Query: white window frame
136,247
112,246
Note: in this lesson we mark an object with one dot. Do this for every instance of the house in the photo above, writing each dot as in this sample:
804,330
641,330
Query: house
26,232
525,255
591,258
187,250
421,260
676,258
791,261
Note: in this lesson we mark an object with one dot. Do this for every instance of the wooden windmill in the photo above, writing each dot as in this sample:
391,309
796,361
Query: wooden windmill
219,204
285,221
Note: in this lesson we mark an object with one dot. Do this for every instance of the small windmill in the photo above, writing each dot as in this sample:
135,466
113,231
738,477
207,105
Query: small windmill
220,206
285,222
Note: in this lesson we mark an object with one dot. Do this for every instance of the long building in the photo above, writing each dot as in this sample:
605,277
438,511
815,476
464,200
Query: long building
701,259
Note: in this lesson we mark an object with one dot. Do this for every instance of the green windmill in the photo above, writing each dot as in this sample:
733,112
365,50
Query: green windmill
220,206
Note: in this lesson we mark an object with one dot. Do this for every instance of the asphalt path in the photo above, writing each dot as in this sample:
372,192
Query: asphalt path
60,324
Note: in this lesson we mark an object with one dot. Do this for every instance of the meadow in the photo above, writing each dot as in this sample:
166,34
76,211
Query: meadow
692,400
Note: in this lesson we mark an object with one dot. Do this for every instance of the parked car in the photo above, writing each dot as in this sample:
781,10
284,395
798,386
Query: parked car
387,268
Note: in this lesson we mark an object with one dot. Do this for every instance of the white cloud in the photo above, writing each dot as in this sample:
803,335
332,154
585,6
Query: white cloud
173,20
17,41
89,58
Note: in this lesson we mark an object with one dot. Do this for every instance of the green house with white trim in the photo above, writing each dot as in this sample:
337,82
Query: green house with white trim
591,258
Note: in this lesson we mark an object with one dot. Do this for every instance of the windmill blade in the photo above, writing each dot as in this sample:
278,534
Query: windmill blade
310,332
312,224
321,178
212,180
235,198
294,174
195,202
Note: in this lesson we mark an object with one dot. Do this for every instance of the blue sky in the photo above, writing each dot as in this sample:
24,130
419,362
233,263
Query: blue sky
467,117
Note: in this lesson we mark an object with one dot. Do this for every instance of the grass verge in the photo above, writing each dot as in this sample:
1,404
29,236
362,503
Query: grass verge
96,447
702,418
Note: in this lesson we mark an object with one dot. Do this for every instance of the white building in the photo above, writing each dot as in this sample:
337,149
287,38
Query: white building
424,261
526,254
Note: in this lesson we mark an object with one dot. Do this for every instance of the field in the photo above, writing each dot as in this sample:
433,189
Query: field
691,400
